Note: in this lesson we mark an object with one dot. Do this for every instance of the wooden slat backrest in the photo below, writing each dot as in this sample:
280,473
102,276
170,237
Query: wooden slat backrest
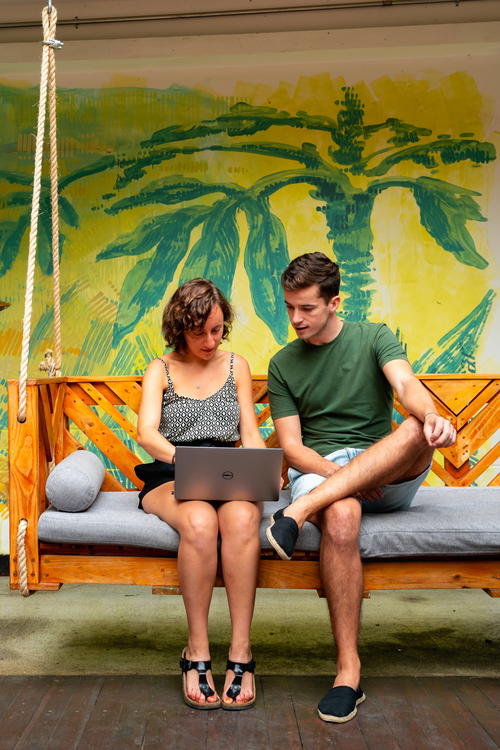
472,404
95,406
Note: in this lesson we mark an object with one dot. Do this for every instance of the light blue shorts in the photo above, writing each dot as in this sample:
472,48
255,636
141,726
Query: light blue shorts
395,496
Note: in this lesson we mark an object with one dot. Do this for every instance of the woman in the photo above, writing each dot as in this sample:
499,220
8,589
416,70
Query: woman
200,395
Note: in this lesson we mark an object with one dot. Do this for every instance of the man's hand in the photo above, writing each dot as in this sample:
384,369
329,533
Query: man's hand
370,495
438,431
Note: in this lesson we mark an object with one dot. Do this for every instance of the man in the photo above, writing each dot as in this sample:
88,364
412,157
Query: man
331,396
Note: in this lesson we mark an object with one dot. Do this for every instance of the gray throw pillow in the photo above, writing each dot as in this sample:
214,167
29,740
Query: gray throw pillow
74,484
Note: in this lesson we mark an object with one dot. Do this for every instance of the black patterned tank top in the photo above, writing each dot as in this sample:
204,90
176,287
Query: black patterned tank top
185,419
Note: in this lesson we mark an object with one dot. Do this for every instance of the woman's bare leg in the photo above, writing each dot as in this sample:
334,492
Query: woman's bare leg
197,524
239,528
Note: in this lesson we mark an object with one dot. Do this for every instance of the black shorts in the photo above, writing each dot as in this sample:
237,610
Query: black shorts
157,472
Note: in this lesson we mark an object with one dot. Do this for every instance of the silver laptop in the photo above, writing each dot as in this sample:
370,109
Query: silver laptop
203,473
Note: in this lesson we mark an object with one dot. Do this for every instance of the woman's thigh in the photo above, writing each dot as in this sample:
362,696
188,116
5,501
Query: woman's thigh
182,515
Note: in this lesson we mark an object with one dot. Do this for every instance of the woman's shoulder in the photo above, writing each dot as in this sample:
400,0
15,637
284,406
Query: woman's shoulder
157,368
158,363
238,358
240,364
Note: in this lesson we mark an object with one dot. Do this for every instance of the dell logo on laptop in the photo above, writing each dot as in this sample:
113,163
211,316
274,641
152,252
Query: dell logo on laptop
227,475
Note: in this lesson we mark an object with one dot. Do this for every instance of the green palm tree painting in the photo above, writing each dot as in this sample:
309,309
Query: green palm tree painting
344,178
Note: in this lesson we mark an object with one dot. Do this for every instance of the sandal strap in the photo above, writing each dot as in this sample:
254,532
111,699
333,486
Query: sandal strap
239,669
202,668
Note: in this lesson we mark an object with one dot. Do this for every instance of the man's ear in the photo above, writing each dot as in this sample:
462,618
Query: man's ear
334,304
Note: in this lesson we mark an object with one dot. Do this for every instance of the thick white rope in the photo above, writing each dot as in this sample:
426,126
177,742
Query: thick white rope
47,79
21,557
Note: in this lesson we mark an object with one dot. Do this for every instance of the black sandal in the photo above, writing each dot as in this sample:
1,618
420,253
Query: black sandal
234,688
202,668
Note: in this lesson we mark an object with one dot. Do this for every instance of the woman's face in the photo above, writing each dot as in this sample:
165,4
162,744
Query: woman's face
203,342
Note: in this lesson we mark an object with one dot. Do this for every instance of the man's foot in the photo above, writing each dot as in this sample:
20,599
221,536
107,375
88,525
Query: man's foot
340,704
282,534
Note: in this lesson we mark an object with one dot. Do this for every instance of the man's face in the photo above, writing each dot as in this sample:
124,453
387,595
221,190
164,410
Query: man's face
310,315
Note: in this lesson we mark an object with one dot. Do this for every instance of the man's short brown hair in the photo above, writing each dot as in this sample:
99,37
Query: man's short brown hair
309,269
189,308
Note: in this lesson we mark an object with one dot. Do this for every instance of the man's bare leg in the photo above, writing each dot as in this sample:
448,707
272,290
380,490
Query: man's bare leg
395,458
342,575
342,579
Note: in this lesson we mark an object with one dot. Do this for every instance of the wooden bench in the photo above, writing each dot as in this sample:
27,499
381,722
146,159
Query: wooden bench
63,413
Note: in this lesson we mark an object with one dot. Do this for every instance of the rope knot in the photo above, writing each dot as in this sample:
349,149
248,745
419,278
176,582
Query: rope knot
48,364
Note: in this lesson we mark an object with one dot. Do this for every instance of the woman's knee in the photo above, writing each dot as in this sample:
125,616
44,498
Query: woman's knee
199,529
341,522
240,522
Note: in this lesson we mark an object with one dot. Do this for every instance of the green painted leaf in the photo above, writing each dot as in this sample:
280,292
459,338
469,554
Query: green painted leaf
170,190
19,198
216,253
16,178
152,231
242,119
67,213
11,236
450,151
456,350
266,256
144,237
131,306
100,165
444,211
145,284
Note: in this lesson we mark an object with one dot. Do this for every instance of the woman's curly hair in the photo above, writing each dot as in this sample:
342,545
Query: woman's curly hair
189,308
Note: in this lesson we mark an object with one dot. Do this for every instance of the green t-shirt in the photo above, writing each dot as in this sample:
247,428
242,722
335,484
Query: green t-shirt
337,389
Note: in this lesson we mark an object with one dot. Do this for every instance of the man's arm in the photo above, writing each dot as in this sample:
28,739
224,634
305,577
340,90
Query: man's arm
438,431
296,453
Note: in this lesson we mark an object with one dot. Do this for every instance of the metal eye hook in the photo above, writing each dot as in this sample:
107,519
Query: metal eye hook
49,5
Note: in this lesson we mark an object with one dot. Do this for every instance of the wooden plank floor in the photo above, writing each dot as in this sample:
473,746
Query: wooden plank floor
117,713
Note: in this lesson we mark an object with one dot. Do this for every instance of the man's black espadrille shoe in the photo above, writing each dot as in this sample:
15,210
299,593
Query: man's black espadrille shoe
340,704
282,534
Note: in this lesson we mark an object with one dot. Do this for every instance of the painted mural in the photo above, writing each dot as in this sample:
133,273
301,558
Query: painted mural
393,177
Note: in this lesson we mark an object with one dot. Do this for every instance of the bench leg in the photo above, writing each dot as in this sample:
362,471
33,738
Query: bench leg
166,590
38,586
493,592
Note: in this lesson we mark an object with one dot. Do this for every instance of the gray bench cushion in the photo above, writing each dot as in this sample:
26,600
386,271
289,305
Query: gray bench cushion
442,521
